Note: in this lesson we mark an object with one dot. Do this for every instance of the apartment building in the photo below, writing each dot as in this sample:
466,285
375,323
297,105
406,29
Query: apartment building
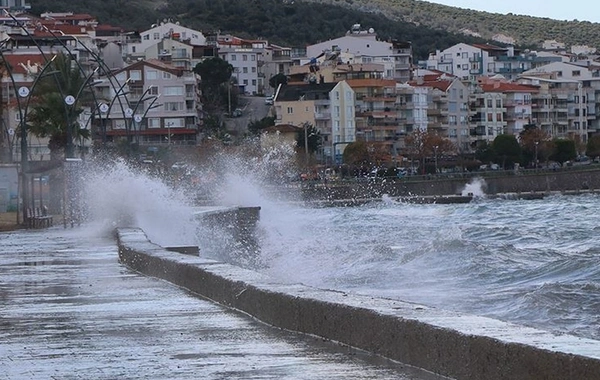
329,107
363,46
155,104
494,96
469,62
273,60
448,112
135,47
376,112
244,56
566,103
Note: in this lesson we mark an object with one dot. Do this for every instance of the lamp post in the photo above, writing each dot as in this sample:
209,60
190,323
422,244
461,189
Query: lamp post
536,153
435,148
306,144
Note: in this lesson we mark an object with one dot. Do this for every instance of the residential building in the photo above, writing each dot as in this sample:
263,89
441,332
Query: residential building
494,96
273,60
135,112
364,47
329,107
448,113
377,114
566,104
469,62
135,48
243,55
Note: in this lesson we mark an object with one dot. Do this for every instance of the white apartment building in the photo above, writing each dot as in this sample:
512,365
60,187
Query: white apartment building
366,48
164,30
244,56
465,61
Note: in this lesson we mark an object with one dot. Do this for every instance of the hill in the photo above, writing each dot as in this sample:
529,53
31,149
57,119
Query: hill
525,30
427,25
286,22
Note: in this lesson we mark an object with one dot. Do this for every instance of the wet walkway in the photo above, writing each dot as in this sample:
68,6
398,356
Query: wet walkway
69,310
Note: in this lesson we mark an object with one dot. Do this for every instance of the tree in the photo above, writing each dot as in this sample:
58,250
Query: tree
278,79
564,150
507,148
356,154
50,117
215,75
422,144
535,144
593,146
256,126
314,138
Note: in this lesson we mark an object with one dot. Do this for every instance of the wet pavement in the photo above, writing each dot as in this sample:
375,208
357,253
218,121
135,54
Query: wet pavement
69,310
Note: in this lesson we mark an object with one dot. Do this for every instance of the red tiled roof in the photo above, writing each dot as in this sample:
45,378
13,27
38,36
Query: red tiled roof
371,82
507,87
439,84
18,62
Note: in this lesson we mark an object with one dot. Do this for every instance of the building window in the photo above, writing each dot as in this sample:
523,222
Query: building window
576,73
153,122
253,58
135,75
156,36
254,82
498,103
173,91
489,103
166,75
244,57
290,110
151,74
490,117
246,81
245,70
498,116
146,37
254,69
133,49
173,106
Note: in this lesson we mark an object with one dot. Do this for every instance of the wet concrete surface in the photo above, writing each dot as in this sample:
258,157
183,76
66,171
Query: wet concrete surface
69,310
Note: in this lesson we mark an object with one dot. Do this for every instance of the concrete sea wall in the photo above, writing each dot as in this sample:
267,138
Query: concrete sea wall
549,181
452,344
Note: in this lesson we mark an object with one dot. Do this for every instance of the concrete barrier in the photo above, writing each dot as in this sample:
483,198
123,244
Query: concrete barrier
452,344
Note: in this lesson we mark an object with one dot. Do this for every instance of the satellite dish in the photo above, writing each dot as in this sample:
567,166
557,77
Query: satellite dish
371,30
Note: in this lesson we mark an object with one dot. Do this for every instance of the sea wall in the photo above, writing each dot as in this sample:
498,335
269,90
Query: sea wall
452,344
548,181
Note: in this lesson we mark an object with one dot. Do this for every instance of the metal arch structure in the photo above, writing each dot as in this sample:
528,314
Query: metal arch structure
97,108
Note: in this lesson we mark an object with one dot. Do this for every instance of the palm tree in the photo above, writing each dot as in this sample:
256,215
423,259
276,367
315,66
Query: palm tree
50,117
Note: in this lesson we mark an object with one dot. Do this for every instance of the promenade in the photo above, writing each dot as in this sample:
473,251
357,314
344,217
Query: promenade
70,310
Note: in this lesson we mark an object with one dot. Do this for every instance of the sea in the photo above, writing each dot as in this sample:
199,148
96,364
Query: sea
531,262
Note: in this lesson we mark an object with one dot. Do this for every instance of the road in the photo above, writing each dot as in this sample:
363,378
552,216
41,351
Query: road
253,108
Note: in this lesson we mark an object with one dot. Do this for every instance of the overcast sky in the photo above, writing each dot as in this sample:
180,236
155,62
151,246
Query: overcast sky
588,10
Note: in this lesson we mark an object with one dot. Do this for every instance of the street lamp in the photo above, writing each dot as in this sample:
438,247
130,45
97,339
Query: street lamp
435,148
536,153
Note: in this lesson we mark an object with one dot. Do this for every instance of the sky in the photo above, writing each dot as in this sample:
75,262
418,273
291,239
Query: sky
582,10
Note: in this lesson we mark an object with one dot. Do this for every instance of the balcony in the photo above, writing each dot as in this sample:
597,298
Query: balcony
322,116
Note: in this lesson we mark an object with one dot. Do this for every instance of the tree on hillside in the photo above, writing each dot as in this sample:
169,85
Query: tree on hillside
278,79
215,75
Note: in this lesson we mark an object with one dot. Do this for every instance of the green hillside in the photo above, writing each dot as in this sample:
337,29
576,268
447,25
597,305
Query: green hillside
300,22
526,30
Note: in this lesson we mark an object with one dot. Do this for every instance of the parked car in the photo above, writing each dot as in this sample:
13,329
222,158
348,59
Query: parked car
269,100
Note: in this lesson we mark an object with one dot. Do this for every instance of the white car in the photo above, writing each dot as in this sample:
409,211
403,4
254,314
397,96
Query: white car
269,100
